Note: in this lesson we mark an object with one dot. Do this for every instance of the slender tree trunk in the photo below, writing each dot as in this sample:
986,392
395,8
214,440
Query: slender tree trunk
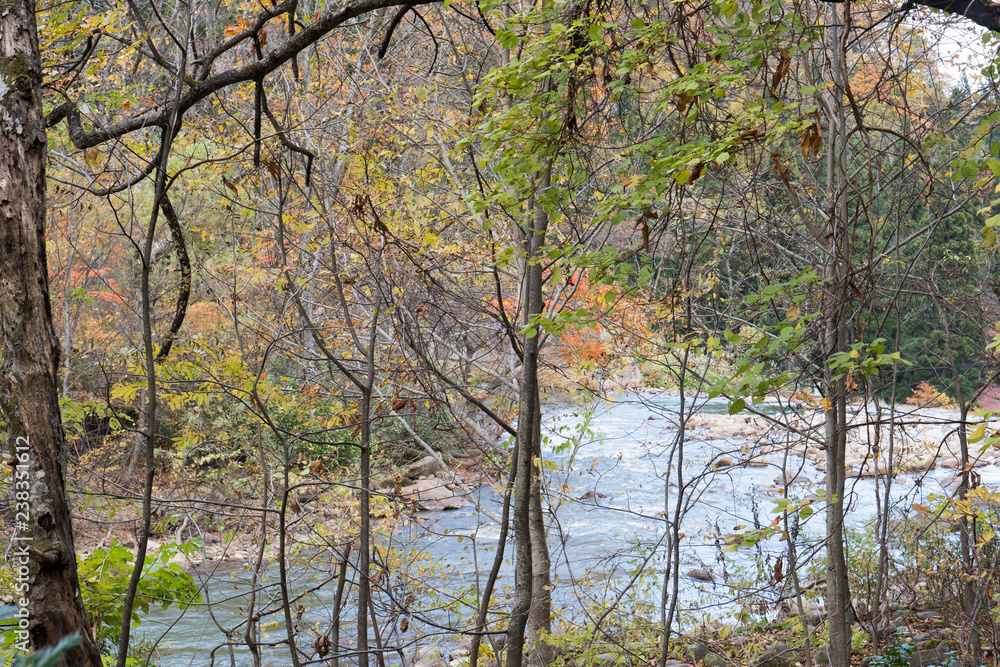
836,298
149,424
838,595
540,616
364,511
969,599
523,572
29,383
534,239
364,540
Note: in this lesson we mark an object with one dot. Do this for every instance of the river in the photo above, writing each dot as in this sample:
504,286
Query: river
607,472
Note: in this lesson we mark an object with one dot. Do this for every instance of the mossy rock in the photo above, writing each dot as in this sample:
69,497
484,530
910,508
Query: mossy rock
713,660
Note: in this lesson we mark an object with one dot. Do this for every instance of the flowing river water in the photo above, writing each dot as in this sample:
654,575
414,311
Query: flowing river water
608,471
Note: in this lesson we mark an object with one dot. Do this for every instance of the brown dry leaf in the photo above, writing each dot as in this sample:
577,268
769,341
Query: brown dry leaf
812,140
228,184
271,166
781,169
645,232
805,397
697,172
793,314
683,101
784,64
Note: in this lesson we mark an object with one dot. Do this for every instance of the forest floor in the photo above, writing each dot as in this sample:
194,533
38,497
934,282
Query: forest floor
221,509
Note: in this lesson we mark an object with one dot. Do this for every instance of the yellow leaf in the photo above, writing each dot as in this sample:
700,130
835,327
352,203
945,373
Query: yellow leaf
92,157
826,404
978,434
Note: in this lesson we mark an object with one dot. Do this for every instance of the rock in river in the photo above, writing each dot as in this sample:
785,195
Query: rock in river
424,467
432,494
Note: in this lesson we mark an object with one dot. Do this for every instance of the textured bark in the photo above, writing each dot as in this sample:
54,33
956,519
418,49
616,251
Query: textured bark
836,312
523,572
838,595
528,418
29,387
971,599
540,615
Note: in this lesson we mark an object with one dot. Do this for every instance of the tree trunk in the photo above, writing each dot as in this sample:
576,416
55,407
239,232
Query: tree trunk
970,599
523,571
838,596
29,389
528,418
836,300
540,615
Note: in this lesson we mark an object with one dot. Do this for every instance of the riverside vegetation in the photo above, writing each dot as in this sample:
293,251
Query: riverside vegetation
264,266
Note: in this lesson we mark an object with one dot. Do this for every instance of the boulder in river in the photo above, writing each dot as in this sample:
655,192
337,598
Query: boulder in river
724,461
701,575
431,495
425,467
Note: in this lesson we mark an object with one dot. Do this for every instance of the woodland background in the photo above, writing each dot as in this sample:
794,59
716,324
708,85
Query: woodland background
293,247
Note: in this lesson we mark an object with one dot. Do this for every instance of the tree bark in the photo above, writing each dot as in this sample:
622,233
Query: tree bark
836,301
29,384
970,600
528,409
523,570
540,615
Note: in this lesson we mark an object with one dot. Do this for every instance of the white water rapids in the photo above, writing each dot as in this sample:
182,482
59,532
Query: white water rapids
607,501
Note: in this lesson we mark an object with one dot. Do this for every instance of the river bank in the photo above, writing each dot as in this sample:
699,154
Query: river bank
228,523
609,474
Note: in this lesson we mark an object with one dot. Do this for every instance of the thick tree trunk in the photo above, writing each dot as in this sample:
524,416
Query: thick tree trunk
29,385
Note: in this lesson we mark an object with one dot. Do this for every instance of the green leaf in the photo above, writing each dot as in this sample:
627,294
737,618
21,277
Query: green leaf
989,237
737,406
